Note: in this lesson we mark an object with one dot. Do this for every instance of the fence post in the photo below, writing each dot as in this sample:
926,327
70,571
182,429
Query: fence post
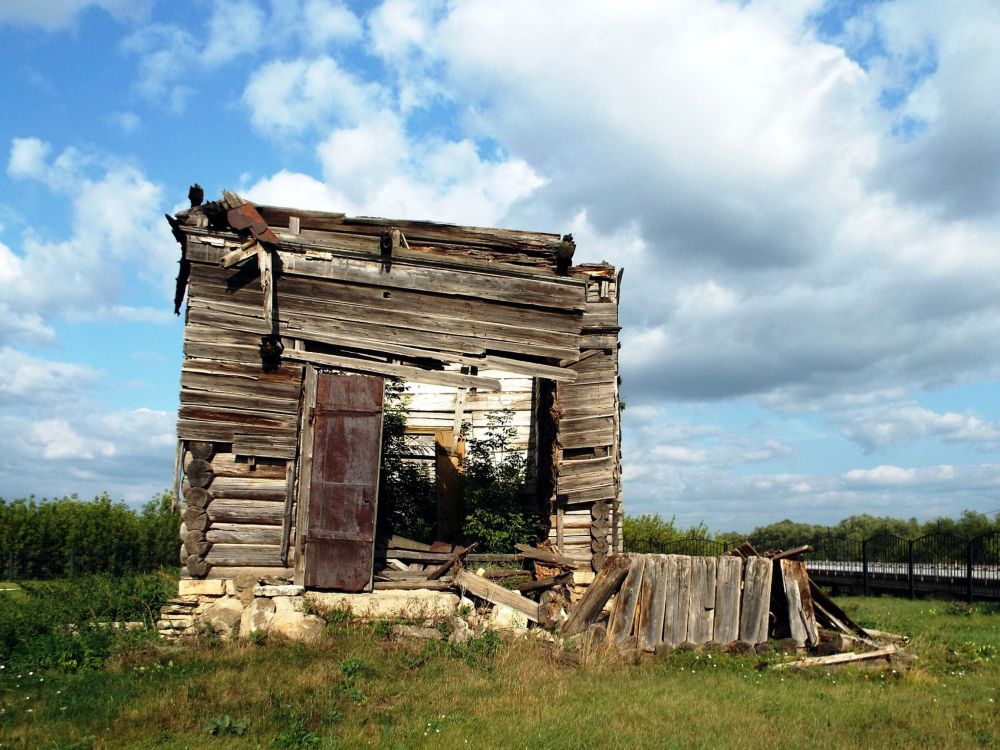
913,589
864,564
968,571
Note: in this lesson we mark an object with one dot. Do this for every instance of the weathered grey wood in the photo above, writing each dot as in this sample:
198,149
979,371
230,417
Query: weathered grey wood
443,585
263,445
835,659
201,449
196,519
414,374
801,615
727,599
491,592
199,473
195,543
256,403
248,555
755,604
588,495
305,437
439,557
446,313
623,613
607,582
288,522
494,284
701,617
678,600
658,605
543,584
243,533
534,553
265,512
650,628
197,566
325,306
227,465
250,488
364,336
197,497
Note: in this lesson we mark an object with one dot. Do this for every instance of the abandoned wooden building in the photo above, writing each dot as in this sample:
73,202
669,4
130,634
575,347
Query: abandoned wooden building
295,320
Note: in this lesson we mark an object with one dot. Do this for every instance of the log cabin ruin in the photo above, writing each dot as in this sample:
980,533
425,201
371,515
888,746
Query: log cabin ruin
294,322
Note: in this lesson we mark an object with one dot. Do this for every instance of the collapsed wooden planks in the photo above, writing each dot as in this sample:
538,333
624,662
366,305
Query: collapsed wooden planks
669,600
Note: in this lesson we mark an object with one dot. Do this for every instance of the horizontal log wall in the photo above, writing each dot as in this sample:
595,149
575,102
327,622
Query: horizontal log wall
233,508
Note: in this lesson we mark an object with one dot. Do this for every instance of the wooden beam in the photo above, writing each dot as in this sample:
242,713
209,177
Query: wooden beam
835,659
495,594
406,372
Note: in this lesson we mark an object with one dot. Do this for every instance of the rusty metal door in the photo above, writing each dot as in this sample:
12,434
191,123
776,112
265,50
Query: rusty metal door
347,444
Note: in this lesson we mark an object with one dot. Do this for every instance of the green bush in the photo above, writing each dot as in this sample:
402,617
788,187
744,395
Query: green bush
407,502
67,623
67,536
496,516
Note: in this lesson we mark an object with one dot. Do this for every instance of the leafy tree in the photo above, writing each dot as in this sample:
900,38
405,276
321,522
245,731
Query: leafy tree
496,516
406,493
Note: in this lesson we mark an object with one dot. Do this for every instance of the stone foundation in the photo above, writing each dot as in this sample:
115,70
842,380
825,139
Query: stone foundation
246,605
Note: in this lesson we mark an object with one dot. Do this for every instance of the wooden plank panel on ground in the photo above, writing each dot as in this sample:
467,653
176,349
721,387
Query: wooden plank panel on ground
727,599
678,606
701,618
755,604
801,615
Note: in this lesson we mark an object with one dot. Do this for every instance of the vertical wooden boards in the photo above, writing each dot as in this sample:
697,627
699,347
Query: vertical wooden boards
801,615
727,599
678,602
701,616
306,440
623,612
649,624
756,600
654,623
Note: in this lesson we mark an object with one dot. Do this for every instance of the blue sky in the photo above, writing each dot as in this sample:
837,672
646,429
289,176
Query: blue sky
804,195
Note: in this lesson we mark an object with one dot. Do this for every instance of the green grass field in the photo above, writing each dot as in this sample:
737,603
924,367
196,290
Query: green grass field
355,688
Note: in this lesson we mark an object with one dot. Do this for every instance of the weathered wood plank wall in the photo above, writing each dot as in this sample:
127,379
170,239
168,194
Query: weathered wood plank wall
587,508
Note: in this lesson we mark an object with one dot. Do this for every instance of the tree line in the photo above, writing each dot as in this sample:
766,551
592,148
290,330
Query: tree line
787,533
41,539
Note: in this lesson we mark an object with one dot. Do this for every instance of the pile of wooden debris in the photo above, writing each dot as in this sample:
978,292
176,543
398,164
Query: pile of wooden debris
739,602
541,578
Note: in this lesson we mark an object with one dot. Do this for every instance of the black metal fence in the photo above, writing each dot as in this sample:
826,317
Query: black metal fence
937,563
